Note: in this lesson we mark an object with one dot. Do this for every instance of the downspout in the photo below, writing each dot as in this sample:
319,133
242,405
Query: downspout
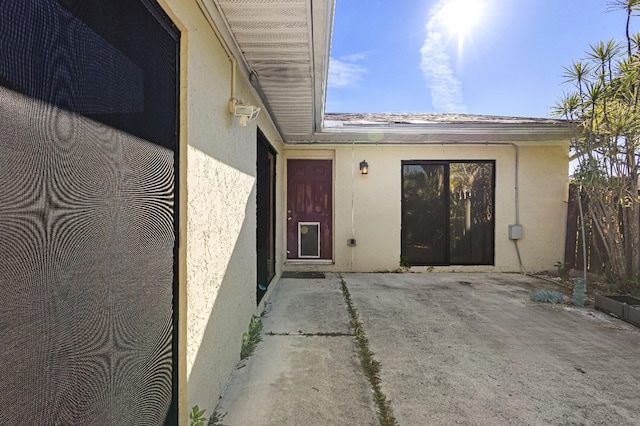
353,165
233,79
517,202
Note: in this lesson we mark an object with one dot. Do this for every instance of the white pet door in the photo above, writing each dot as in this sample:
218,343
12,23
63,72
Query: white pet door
309,240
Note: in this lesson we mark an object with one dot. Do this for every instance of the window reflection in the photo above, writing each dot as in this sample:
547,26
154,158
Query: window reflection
447,212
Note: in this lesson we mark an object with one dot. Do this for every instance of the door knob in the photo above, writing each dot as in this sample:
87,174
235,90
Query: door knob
289,218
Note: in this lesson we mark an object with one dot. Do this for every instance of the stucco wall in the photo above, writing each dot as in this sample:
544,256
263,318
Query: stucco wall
217,207
374,202
218,210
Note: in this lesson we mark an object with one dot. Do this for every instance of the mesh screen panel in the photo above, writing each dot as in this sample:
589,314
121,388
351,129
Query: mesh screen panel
87,235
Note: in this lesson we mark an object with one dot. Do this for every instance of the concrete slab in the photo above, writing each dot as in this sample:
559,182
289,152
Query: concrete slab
306,371
307,306
454,348
473,349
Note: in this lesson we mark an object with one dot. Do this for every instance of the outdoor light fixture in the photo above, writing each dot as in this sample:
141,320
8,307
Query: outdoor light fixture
243,111
364,168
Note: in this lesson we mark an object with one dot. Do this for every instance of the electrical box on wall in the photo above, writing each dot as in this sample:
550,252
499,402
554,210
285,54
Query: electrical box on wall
351,242
515,232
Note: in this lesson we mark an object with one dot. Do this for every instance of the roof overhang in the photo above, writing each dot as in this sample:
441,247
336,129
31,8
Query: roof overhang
284,46
438,128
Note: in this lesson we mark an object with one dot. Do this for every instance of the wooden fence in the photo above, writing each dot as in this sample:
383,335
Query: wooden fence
596,255
573,252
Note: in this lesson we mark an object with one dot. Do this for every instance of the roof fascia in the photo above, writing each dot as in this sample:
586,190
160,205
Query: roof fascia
453,128
322,14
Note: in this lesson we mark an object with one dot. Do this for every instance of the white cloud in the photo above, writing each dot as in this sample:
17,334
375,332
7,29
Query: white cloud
355,57
345,71
445,88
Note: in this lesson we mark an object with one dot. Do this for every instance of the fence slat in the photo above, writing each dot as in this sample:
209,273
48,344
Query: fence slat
573,240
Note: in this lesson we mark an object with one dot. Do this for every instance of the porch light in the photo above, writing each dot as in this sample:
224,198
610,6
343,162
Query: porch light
364,168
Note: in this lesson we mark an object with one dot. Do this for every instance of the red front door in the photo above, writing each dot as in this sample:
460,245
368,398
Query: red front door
309,209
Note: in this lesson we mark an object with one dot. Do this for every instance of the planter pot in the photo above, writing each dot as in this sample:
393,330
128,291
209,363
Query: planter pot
626,308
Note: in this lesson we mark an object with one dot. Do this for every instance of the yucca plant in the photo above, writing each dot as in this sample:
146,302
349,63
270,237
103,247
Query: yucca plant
603,106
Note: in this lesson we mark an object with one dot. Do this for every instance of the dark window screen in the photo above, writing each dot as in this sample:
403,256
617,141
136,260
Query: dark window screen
448,212
88,135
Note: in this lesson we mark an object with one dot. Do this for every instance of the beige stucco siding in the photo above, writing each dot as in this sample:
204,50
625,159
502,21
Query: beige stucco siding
368,207
218,211
543,201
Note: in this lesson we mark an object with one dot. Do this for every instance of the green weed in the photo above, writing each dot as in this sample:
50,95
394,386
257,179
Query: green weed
251,338
369,364
197,416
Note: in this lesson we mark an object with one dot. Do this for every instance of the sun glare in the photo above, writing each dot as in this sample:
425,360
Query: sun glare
461,16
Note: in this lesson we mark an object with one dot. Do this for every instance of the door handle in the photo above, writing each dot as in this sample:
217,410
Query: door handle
289,218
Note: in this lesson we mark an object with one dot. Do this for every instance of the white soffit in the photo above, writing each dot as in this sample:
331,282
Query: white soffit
286,44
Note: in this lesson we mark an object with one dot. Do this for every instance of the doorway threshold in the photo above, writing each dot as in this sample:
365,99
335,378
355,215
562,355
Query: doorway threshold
309,262
303,274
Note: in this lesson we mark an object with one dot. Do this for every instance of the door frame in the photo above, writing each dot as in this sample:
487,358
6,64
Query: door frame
309,155
270,222
447,225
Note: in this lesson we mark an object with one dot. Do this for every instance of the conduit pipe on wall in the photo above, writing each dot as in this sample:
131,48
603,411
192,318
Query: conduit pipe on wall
224,45
253,79
353,153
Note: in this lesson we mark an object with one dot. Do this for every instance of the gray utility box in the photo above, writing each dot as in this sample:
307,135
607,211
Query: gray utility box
626,308
515,232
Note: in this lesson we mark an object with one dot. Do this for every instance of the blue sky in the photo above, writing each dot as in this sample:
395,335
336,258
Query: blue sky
400,56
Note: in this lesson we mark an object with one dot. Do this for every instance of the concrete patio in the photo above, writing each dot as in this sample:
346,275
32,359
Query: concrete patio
454,348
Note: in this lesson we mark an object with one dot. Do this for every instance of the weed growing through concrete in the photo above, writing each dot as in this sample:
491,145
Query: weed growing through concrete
370,366
404,266
196,416
251,338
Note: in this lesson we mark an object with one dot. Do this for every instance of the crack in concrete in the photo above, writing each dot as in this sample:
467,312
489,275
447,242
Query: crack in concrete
316,334
369,364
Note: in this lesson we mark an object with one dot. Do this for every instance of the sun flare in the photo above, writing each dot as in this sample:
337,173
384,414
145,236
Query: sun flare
462,16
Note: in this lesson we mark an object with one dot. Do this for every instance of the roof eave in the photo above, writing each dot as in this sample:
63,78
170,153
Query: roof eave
438,133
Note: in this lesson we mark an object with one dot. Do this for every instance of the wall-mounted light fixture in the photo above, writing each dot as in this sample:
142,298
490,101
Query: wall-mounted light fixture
243,111
364,168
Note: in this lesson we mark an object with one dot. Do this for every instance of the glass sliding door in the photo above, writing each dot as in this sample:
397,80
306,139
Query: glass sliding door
471,213
424,219
447,212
